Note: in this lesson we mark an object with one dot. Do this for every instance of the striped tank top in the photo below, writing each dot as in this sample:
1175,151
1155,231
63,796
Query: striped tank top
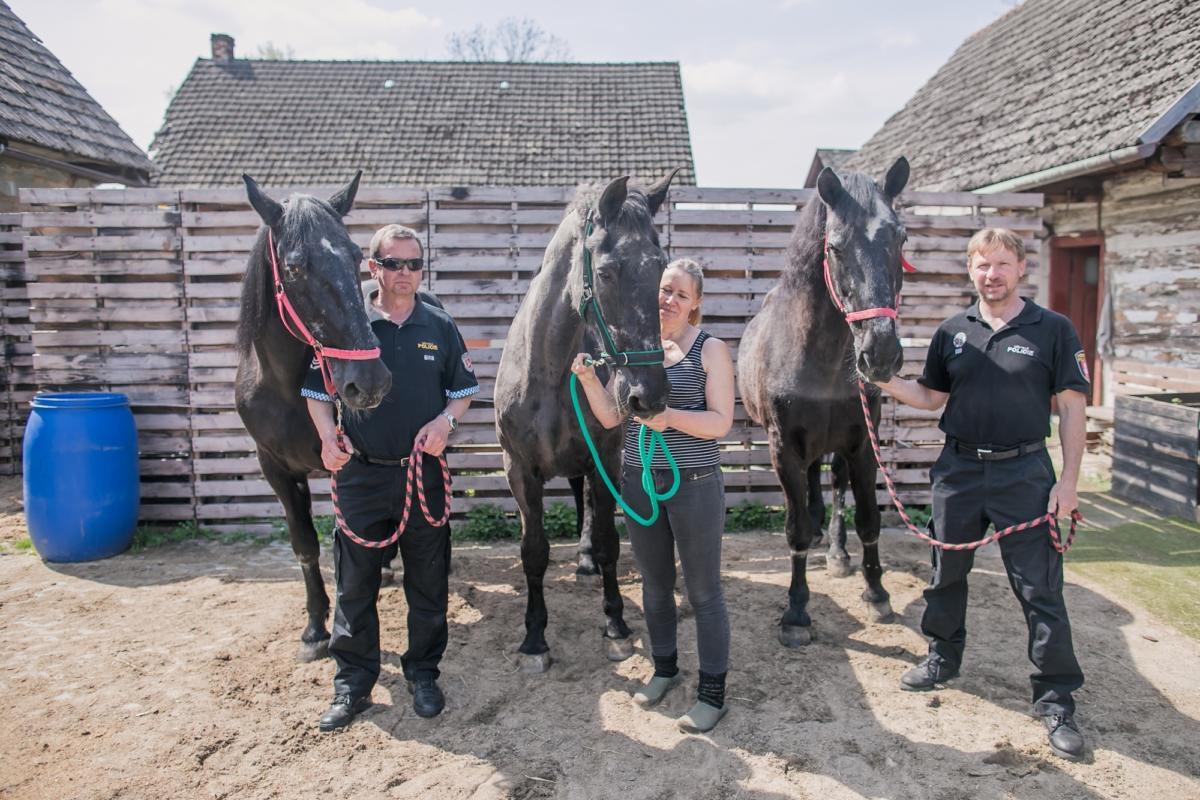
688,381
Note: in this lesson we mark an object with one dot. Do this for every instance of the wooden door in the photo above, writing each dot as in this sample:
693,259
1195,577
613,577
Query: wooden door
1076,291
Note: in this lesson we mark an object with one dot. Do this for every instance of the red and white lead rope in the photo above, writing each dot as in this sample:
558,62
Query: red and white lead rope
1049,518
413,478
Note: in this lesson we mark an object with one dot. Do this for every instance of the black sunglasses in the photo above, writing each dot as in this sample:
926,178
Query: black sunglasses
394,264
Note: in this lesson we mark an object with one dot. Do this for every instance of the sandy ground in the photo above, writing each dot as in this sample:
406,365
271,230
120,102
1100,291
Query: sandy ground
172,673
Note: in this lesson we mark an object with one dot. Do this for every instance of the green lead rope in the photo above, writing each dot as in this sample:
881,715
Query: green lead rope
646,450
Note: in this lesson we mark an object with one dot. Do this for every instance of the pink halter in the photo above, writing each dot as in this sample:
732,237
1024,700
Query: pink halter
868,313
296,327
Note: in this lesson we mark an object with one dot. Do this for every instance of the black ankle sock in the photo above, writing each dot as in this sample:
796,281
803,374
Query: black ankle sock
666,666
712,689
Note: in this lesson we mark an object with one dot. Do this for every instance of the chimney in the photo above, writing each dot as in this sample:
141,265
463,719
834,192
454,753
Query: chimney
222,48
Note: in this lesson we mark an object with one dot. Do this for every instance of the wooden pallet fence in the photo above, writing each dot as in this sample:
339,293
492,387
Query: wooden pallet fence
16,358
138,291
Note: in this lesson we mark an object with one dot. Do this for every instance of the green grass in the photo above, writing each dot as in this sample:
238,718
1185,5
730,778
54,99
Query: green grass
1153,561
147,537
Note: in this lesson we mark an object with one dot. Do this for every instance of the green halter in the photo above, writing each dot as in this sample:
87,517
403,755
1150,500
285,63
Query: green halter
609,353
621,358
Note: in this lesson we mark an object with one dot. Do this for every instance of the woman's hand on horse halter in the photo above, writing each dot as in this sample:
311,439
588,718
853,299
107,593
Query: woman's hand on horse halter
584,371
333,455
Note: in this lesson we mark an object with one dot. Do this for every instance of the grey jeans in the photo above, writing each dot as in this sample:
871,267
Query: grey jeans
693,520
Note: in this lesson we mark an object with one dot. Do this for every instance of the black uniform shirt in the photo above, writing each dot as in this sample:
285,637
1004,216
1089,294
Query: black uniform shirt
1000,382
429,364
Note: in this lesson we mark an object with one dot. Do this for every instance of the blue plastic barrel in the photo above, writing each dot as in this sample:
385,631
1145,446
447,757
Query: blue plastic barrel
81,475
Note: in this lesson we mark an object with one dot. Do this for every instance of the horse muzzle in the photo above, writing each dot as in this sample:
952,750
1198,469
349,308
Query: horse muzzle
878,353
362,385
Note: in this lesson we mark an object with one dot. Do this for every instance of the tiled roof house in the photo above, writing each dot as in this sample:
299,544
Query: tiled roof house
1050,83
421,122
52,133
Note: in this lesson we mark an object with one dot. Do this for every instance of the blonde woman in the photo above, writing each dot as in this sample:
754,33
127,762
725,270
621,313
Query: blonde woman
699,412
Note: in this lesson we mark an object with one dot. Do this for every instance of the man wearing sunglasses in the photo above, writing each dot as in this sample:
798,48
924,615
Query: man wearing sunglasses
432,385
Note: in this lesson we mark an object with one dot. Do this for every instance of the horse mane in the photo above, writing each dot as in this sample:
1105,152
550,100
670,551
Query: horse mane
257,301
302,214
806,248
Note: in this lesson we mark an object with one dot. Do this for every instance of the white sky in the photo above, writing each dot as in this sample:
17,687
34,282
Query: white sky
766,82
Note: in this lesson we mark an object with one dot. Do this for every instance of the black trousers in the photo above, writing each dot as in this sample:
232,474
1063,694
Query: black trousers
968,496
371,499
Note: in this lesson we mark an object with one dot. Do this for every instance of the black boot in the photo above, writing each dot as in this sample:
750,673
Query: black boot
428,700
1065,739
928,674
342,711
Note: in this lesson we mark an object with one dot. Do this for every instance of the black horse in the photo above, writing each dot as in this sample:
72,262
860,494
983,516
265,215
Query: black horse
319,270
535,422
799,360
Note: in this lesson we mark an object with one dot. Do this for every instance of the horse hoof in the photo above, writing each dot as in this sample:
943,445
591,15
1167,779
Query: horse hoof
535,664
313,651
795,636
838,567
587,578
387,576
618,649
881,611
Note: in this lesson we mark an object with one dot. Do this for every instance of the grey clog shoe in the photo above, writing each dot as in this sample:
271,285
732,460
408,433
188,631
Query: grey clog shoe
702,718
655,690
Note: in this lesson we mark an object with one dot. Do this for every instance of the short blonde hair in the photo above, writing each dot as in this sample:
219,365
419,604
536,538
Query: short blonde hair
991,238
693,269
393,231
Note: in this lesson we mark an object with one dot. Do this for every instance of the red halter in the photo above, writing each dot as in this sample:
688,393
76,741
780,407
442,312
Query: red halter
855,316
296,327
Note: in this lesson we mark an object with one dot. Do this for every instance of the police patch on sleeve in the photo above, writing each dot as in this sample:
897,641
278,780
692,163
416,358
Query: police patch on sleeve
315,364
1081,360
467,362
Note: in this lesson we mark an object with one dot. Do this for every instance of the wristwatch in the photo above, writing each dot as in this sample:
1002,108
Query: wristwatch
450,418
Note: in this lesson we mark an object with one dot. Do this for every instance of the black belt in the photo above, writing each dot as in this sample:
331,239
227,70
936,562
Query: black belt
987,452
380,462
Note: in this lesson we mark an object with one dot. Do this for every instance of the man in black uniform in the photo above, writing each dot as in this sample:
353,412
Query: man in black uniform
432,384
995,367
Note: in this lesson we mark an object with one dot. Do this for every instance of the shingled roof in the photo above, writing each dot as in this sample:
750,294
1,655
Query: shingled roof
41,103
423,123
1051,82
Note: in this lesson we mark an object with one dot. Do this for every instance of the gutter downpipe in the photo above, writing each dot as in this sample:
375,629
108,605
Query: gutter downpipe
1125,155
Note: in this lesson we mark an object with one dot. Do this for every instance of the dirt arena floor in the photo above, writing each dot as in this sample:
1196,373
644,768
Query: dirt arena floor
172,673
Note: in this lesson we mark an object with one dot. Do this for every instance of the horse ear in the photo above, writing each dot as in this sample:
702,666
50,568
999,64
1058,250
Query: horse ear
897,178
613,198
343,201
657,194
829,187
270,211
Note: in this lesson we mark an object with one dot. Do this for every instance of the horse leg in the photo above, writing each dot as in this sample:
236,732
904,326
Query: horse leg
863,472
837,563
795,627
816,503
528,490
585,516
294,494
618,639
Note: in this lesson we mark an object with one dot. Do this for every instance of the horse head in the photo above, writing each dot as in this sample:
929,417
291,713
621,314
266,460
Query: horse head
317,265
621,245
864,264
